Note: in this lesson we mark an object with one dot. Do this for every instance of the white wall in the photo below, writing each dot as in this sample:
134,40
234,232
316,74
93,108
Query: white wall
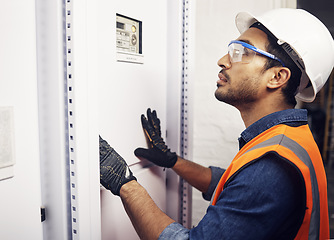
21,194
216,125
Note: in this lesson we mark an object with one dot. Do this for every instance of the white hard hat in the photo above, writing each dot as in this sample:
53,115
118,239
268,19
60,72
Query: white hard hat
307,36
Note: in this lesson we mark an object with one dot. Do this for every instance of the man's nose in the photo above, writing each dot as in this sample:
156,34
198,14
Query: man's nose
224,62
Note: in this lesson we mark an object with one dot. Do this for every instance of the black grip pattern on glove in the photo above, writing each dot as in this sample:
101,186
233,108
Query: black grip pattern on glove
159,153
114,171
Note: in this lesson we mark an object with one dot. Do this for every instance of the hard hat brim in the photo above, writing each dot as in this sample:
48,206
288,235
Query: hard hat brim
244,20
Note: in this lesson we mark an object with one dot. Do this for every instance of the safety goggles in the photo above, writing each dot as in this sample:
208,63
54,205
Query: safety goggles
243,52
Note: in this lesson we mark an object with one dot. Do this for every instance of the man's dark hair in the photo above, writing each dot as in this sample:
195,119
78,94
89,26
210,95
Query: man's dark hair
274,48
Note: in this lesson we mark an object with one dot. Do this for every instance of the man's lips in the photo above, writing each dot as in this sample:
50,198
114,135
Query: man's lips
222,79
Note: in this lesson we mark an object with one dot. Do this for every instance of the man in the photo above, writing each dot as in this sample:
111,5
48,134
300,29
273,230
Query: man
275,187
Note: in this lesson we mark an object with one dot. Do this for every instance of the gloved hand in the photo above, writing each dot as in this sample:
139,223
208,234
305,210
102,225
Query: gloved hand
114,172
159,153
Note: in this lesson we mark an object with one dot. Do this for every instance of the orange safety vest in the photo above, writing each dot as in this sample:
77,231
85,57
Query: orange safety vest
297,145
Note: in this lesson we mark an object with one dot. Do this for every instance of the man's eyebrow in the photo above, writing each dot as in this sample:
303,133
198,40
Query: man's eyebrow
246,41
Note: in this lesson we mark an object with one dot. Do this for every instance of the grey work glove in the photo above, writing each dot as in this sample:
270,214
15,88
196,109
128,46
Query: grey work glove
159,153
114,172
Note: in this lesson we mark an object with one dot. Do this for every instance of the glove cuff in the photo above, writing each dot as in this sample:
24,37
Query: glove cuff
172,159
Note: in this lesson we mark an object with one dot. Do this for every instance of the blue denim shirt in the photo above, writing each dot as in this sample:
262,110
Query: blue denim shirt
266,200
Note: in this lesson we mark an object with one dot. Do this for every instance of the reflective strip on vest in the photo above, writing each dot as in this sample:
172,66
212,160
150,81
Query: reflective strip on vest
302,154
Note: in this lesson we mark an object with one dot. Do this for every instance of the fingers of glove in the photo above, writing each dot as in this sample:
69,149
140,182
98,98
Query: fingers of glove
154,121
155,134
108,155
105,148
110,178
114,159
149,130
114,171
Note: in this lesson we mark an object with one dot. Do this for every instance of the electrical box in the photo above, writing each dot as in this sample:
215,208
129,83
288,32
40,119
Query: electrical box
128,39
7,159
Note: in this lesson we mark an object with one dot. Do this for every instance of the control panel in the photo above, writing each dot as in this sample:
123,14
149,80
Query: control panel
128,39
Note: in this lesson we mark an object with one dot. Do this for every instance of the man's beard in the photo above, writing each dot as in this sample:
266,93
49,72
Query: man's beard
245,93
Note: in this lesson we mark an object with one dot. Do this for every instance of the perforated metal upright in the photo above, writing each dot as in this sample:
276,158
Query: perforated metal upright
186,191
69,118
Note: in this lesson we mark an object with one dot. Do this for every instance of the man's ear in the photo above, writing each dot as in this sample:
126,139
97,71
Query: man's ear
280,76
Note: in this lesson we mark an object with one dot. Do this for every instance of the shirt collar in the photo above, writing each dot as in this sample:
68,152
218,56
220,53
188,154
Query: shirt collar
291,117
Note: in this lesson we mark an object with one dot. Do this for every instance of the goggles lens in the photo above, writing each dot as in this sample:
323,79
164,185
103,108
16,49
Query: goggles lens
239,53
243,52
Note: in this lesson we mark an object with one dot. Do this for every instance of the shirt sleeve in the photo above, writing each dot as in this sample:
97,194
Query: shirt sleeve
261,202
174,231
216,174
